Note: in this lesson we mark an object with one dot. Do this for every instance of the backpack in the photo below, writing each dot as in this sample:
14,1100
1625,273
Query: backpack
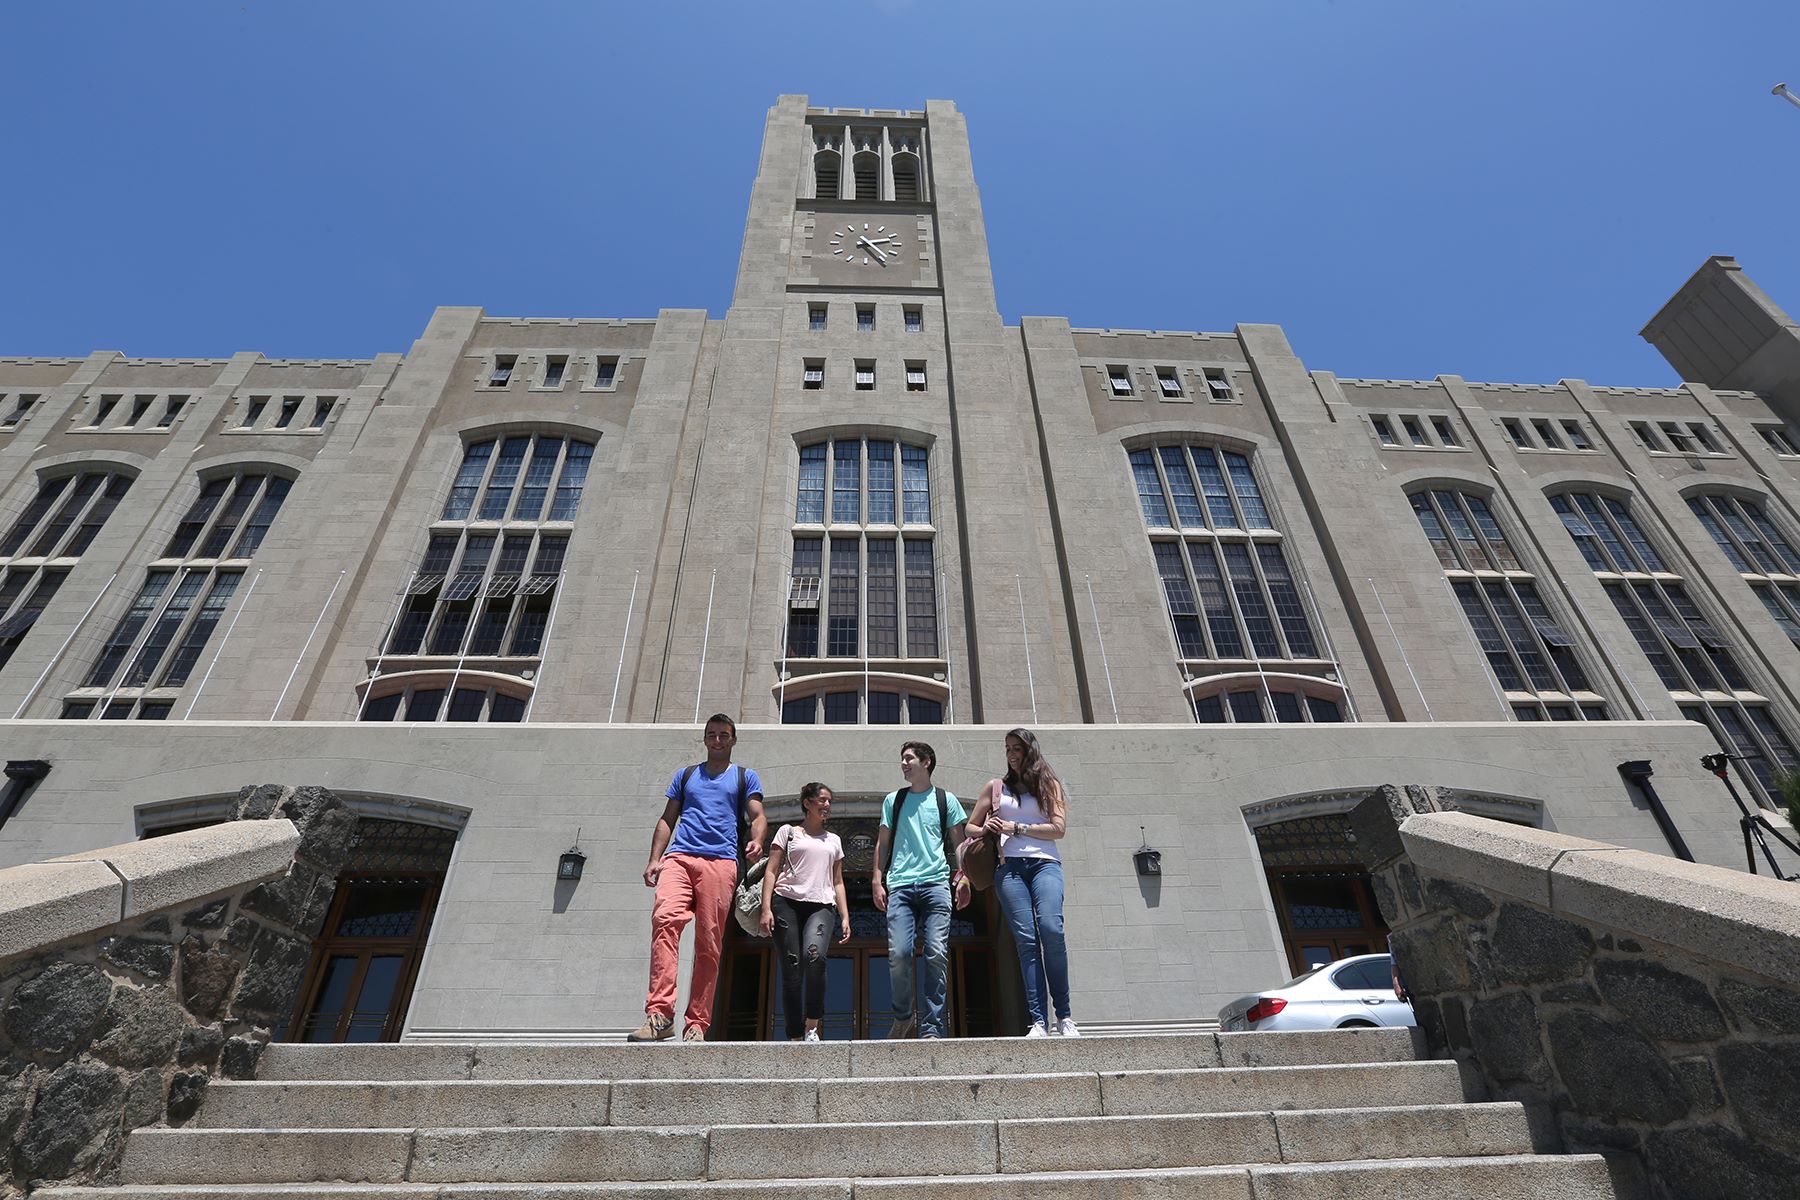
743,794
943,827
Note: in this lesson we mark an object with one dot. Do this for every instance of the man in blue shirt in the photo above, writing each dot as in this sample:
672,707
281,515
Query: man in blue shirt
693,867
913,887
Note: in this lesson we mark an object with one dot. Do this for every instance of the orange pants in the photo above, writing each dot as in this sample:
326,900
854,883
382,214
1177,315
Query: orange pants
694,889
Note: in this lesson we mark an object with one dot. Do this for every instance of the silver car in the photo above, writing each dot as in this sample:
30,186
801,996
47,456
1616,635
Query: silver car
1349,993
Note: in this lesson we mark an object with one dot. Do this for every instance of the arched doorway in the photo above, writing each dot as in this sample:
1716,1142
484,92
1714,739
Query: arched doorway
1321,892
366,958
857,999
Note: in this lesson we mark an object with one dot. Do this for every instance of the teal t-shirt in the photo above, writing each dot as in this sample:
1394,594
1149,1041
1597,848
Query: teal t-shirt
918,855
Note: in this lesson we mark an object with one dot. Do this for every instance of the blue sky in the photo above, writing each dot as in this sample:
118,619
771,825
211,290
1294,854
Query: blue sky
1504,192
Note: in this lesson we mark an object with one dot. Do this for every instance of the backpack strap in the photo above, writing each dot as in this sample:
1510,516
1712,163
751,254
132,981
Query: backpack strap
743,795
894,827
681,788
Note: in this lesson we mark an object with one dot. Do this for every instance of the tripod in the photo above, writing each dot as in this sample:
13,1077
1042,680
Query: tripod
1756,834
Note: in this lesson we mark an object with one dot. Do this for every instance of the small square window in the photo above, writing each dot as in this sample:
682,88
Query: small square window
76,710
139,406
812,374
503,369
1705,438
865,375
1446,431
253,412
815,317
20,408
1546,434
1119,380
554,368
154,710
915,376
865,318
1646,436
1778,439
103,411
1384,431
171,409
1578,437
1218,386
606,371
289,406
1414,431
915,319
321,411
1516,431
1168,381
1678,437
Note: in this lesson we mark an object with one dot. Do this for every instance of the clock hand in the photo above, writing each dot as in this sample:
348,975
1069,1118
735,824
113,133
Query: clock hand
865,242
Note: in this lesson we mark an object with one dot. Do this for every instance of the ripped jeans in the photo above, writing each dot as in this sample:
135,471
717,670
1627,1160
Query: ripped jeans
802,940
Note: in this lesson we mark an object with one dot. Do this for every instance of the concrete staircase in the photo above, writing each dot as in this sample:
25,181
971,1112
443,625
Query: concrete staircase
1231,1116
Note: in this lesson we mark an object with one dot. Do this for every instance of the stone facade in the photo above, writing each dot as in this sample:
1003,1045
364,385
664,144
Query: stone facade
1647,1010
269,557
122,1025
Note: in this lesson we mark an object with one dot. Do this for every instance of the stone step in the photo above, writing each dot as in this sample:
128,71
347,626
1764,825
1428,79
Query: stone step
821,1150
734,1101
721,1060
1500,1177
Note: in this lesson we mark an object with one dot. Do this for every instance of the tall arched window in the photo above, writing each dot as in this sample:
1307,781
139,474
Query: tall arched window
906,177
1232,599
1759,550
827,168
864,547
487,582
156,646
1529,650
46,541
1690,654
866,165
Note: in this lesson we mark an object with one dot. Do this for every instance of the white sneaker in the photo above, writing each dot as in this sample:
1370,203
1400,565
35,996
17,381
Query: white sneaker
812,1035
1037,1030
1066,1028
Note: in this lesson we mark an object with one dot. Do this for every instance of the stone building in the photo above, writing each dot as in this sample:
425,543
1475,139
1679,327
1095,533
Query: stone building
486,589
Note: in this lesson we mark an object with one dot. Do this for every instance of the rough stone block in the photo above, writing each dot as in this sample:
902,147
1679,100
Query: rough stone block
74,1126
45,903
1531,946
207,977
1666,1005
1712,1162
58,1011
560,1155
1762,1082
1458,897
1756,1008
154,960
167,872
1505,1035
270,983
1610,1070
825,1151
141,1028
1137,1143
1433,957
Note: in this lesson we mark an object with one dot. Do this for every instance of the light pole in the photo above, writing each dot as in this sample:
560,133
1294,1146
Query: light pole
1782,90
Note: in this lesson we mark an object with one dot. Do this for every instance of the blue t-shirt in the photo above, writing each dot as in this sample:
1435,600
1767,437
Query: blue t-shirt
709,826
918,844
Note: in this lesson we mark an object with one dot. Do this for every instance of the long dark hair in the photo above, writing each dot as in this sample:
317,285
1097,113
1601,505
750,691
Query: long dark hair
1034,776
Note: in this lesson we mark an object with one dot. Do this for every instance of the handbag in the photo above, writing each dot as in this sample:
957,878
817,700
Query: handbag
980,861
747,905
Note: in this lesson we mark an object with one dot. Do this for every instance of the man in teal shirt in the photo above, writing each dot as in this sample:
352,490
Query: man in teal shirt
913,886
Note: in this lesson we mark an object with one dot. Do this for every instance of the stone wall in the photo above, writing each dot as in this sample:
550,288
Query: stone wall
131,975
1643,1007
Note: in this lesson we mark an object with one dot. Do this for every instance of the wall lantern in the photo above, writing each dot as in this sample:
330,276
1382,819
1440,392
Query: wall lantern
1147,861
568,867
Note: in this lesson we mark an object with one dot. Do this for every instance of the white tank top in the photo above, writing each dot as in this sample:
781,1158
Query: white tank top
1025,810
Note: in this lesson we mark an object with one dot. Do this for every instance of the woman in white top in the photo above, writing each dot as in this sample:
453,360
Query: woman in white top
1028,812
802,886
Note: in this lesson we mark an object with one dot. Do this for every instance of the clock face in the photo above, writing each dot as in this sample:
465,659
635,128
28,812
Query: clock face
866,243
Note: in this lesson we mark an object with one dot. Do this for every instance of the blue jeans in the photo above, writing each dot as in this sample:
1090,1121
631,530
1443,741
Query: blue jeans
1031,895
909,906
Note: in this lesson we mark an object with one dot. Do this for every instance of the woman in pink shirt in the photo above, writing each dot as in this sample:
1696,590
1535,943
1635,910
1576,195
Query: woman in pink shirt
803,886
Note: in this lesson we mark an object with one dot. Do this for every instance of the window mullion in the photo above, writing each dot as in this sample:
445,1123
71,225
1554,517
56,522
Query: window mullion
1200,618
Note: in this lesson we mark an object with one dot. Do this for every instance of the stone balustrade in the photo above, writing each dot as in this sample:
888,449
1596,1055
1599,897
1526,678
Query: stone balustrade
129,976
1643,1007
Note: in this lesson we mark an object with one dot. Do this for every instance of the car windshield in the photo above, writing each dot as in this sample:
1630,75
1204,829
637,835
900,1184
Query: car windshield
1303,978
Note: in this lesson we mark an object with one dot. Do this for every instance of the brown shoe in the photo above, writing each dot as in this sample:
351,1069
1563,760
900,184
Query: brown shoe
693,1033
656,1028
902,1029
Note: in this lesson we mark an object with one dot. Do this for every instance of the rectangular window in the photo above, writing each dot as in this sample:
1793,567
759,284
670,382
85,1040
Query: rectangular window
195,639
804,711
50,540
1119,380
1219,509
1547,434
815,317
498,496
554,368
262,517
1246,707
139,406
865,375
921,600
865,318
102,411
881,483
574,479
1778,439
125,633
915,376
1384,431
1184,612
1704,436
840,708
253,412
923,711
1678,437
884,599
290,405
1487,635
915,319
1181,486
1286,597
1516,431
503,369
846,482
1218,385
321,412
812,374
809,508
538,476
1646,436
884,708
1220,623
803,599
1414,431
915,480
171,410
225,528
20,408
1209,710
15,627
1249,495
606,372
1149,487
1251,603
1578,437
1445,430
842,599
1169,382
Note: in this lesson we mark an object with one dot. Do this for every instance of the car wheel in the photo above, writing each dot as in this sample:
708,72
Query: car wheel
1357,1025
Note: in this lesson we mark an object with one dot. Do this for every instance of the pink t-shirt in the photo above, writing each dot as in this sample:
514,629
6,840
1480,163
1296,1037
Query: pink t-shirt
806,865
